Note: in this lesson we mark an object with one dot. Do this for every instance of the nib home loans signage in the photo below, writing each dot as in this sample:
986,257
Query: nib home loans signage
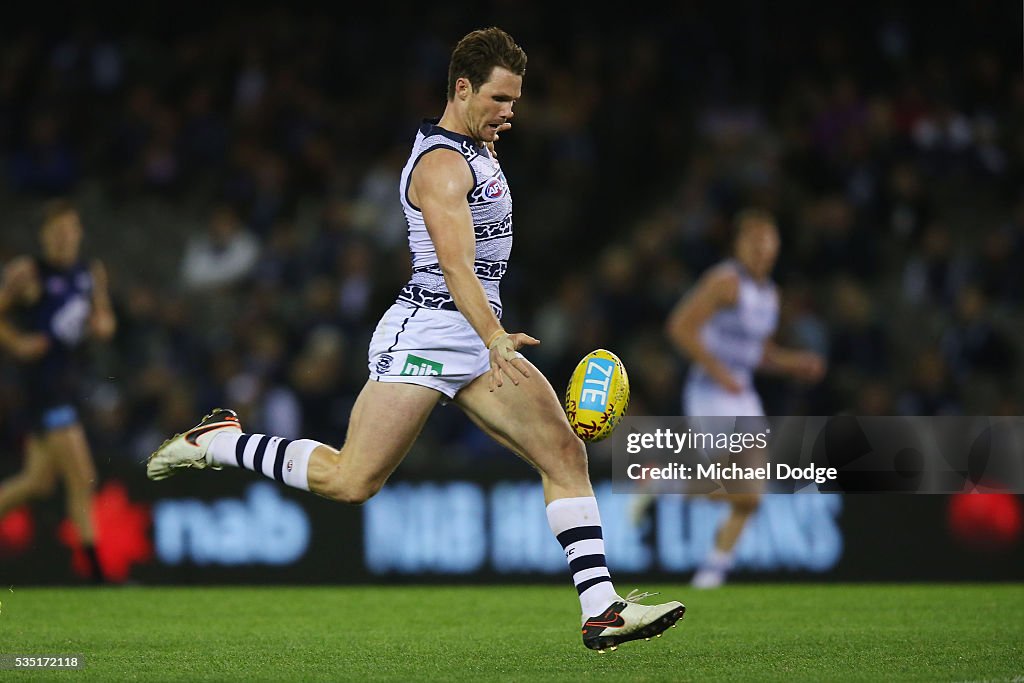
462,527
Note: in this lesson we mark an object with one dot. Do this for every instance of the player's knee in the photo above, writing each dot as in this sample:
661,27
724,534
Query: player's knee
745,503
39,486
85,487
572,453
81,482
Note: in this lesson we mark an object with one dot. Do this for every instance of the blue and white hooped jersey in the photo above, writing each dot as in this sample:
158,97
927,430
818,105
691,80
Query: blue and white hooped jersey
736,336
490,204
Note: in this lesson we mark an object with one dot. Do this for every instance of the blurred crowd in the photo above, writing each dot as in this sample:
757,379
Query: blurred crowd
239,176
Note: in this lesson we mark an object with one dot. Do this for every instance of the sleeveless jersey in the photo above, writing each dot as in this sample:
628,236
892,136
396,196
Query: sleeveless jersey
490,205
736,335
62,314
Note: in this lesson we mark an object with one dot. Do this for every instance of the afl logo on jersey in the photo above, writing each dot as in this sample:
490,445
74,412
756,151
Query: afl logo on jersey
495,188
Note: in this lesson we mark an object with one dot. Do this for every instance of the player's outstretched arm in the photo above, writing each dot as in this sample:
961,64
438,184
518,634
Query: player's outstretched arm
719,288
806,366
439,186
20,284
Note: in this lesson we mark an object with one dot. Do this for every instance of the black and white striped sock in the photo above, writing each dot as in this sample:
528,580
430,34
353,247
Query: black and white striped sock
280,459
576,523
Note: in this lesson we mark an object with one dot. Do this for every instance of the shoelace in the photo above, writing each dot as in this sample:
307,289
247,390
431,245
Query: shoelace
635,596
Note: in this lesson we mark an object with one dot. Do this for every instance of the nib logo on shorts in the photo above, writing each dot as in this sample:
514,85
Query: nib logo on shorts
414,365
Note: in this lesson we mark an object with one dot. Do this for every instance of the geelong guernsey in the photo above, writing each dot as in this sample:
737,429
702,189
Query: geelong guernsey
490,205
736,335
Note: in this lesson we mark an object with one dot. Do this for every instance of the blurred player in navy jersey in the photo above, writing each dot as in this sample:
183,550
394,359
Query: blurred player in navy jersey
724,326
51,304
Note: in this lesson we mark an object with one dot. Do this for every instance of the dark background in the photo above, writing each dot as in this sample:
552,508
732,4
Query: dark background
888,138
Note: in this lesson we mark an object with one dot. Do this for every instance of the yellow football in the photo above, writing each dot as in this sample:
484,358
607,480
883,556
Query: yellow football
597,396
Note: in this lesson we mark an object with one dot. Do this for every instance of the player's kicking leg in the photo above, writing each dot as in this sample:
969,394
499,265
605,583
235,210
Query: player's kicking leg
528,419
385,421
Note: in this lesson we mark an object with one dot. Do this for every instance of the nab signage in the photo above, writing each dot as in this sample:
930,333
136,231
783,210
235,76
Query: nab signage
260,528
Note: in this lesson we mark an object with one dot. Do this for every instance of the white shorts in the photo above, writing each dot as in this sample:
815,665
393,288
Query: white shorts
433,348
709,399
710,408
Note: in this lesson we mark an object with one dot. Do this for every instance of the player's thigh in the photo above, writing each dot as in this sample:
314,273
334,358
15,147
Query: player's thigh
386,420
711,408
40,466
69,451
527,418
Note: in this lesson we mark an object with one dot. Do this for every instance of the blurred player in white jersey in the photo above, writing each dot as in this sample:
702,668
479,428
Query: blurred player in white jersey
443,341
724,325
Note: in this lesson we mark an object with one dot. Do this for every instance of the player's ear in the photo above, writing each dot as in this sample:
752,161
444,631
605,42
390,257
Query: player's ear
463,88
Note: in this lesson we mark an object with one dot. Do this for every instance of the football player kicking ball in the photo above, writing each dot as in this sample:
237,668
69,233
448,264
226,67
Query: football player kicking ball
442,341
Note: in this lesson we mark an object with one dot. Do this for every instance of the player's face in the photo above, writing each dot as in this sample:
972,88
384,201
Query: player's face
757,248
491,105
61,239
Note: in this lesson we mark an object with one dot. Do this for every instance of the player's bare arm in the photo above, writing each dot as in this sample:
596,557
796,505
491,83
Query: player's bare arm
802,365
439,186
102,322
717,289
20,285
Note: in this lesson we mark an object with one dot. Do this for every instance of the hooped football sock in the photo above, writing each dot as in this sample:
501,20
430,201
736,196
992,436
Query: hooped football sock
576,523
281,459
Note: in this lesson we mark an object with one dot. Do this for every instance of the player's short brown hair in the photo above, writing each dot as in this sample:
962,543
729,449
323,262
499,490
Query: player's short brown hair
749,217
476,55
55,208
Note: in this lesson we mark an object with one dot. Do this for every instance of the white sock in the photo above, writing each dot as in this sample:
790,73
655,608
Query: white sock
718,560
576,523
281,459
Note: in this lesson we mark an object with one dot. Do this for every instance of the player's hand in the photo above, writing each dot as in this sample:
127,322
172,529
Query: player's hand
20,281
808,367
29,347
99,277
497,134
504,362
729,383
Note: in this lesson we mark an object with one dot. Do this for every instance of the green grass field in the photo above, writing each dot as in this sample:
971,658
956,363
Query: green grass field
743,632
